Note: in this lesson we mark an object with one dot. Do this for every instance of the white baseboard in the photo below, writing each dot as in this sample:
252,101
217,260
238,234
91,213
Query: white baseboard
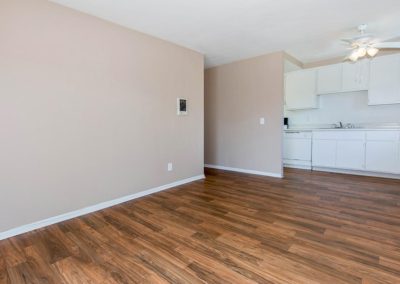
355,172
302,167
297,164
244,171
90,209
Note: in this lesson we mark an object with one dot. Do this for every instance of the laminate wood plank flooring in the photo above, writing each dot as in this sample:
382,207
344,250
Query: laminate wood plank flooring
310,227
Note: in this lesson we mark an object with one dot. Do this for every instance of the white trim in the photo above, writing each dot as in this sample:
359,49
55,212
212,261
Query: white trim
355,172
90,209
301,164
293,166
244,171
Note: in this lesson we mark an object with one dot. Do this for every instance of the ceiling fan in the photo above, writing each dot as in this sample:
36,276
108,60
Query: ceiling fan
365,44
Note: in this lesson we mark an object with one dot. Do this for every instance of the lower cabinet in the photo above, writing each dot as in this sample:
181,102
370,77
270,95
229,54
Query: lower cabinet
339,149
383,152
370,150
350,155
382,156
324,153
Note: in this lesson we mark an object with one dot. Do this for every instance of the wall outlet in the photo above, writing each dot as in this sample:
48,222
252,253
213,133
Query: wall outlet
262,120
170,167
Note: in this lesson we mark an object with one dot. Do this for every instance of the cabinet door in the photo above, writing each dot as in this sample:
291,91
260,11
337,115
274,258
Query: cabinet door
324,153
384,84
329,79
350,155
398,159
356,76
300,90
383,156
297,149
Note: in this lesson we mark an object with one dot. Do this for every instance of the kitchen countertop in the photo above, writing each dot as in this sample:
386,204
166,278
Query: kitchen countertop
339,129
378,126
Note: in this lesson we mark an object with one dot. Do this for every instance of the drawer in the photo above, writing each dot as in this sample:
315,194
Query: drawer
339,135
298,135
383,135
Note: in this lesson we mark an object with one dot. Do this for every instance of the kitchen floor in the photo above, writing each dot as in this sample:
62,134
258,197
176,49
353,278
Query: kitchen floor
310,227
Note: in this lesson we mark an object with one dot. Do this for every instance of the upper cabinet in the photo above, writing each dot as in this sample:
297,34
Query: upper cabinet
356,76
344,77
329,79
384,84
379,76
300,89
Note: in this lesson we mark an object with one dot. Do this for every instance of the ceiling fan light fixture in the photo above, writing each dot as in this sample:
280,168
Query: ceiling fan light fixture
354,56
366,45
361,52
372,51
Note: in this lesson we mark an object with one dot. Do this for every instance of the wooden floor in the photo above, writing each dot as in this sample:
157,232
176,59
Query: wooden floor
230,228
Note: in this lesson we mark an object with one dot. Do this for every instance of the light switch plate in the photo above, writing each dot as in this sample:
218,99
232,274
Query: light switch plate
262,121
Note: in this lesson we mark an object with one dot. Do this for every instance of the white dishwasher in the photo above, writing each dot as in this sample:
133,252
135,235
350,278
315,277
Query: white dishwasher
297,149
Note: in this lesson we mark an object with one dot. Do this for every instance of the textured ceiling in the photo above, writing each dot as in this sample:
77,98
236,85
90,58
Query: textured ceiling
229,30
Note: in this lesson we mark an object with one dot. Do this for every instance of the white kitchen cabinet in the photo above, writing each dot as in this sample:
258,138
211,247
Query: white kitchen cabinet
356,76
398,161
372,151
384,82
350,154
382,156
324,153
339,135
379,76
297,149
342,149
329,79
383,151
300,89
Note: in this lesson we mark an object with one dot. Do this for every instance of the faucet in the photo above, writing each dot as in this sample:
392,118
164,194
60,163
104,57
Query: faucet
350,126
339,125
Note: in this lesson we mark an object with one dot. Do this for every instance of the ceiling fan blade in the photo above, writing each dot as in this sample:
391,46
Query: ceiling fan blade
387,38
346,44
347,40
387,45
346,58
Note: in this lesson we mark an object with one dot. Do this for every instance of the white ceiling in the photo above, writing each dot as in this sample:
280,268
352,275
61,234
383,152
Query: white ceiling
229,30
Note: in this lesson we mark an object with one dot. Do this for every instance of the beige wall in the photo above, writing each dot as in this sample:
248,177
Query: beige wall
88,111
237,95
